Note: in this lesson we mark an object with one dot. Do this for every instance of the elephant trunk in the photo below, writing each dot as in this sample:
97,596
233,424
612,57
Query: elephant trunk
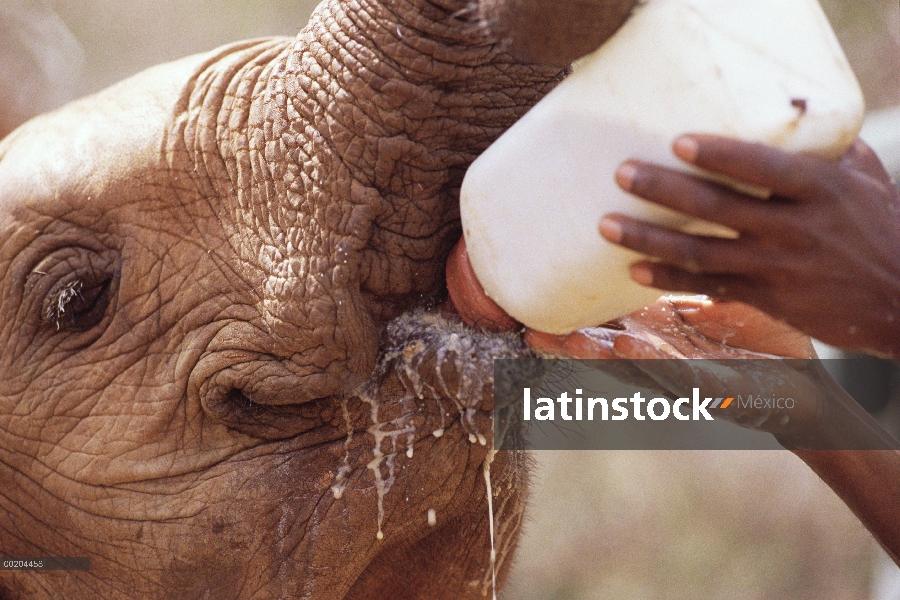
344,151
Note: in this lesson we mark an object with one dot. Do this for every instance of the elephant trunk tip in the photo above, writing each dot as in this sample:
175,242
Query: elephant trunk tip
468,298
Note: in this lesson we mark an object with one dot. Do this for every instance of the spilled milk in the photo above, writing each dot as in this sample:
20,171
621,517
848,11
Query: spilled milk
458,362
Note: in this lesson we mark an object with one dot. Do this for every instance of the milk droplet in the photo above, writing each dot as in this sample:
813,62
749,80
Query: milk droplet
340,479
377,430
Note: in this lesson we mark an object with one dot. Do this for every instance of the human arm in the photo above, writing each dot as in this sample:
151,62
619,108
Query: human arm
854,455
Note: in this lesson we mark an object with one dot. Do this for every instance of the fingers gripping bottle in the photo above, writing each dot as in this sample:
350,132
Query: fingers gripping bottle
768,71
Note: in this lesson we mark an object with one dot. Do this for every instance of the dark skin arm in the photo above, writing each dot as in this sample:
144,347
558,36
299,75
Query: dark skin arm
822,254
874,502
868,481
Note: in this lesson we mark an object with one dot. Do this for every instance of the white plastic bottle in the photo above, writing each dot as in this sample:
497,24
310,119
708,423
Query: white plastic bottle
770,71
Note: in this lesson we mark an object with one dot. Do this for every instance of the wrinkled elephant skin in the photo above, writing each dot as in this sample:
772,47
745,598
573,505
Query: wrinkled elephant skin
223,370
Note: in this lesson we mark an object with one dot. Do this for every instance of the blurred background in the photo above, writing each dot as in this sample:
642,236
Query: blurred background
623,525
120,38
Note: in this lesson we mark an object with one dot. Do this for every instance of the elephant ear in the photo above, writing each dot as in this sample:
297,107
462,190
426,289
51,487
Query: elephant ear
554,32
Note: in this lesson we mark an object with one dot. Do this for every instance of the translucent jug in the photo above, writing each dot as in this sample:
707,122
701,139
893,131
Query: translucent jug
770,71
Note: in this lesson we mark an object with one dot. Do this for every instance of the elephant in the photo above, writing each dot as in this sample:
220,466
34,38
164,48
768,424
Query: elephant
228,370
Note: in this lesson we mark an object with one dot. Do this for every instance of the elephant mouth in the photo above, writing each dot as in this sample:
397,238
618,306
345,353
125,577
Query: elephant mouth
434,376
435,356
432,371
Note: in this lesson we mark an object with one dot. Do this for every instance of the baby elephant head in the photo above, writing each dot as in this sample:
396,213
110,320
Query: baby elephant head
225,373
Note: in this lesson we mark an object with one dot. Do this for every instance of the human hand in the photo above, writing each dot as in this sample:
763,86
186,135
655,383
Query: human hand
697,328
682,327
823,253
711,334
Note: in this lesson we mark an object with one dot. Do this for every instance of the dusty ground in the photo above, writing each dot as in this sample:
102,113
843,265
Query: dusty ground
626,525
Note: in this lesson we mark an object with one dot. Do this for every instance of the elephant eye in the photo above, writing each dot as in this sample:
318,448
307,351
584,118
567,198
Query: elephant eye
72,288
77,305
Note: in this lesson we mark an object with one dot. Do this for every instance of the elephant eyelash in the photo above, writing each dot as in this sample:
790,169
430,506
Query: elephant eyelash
61,301
76,305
